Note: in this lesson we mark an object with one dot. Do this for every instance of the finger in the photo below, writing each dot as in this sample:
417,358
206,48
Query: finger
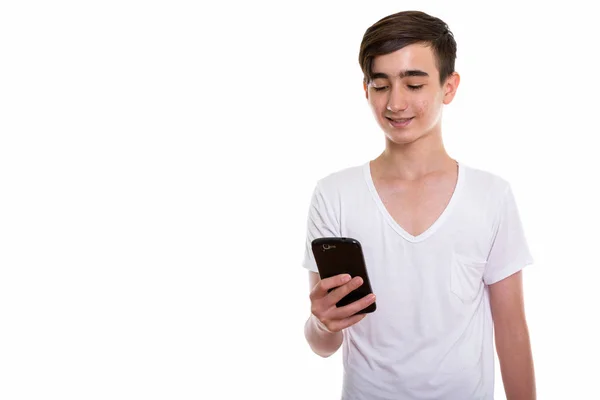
341,292
346,322
354,307
322,288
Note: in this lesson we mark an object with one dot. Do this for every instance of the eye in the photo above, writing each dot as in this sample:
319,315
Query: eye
379,89
415,87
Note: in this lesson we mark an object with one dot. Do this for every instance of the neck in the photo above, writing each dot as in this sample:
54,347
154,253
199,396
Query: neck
414,160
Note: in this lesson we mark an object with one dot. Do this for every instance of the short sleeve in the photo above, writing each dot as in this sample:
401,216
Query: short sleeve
321,223
509,251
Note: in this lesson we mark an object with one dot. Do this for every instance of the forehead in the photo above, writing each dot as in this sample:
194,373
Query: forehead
412,57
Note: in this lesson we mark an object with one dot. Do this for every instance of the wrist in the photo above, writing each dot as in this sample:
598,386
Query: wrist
321,327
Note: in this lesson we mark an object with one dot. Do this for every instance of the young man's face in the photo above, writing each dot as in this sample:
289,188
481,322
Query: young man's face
405,93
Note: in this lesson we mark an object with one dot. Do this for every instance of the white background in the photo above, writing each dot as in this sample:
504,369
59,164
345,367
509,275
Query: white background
157,160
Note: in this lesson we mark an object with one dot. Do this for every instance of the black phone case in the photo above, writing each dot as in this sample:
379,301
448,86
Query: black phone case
340,255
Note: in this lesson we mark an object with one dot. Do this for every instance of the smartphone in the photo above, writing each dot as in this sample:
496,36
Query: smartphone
341,255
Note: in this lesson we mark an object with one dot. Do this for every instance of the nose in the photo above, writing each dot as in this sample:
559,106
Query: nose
397,100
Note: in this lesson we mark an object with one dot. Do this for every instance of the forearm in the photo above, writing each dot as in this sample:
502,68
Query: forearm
516,364
322,342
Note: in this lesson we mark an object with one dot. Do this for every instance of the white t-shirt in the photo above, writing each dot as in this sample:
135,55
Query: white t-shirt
431,336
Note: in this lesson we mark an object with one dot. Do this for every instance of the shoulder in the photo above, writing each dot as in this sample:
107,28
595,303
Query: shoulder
485,182
346,178
485,191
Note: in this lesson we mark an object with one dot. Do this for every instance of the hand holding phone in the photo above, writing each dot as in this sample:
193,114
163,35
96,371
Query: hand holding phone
328,292
344,294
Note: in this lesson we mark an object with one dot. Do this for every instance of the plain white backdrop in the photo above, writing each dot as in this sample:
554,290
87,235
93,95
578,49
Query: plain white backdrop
157,161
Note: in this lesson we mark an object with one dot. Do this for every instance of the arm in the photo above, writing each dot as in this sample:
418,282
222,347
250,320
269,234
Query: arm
323,329
321,341
512,338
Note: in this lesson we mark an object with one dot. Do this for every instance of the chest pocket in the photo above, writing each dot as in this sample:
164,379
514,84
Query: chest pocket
466,277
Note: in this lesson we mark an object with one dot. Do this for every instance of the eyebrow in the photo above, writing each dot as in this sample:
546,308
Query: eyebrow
403,74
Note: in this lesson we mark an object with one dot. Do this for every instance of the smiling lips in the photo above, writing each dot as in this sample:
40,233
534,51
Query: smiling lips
399,122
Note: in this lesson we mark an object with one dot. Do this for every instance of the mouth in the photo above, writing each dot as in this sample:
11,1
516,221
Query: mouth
399,122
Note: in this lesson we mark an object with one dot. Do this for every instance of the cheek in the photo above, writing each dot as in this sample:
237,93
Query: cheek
421,107
378,104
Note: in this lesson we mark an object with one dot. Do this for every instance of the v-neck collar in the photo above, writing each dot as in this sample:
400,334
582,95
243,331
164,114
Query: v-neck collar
392,222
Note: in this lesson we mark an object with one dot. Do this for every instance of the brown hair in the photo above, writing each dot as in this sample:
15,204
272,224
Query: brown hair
405,28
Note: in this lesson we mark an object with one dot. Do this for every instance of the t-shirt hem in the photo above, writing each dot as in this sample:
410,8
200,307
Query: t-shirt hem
310,267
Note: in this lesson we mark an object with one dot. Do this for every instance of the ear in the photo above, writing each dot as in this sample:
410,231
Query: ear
450,87
366,90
